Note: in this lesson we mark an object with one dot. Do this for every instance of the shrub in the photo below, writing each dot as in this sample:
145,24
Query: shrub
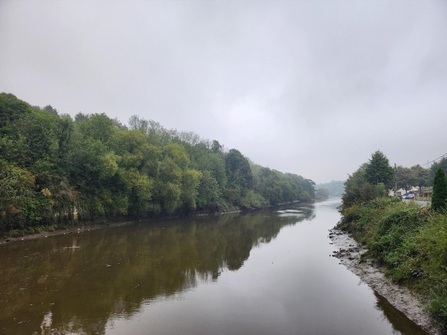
439,196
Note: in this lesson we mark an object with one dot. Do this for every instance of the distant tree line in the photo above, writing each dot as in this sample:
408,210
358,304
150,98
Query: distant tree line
334,188
55,168
374,178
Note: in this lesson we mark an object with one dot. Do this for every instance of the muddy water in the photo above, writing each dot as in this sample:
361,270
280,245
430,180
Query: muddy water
262,273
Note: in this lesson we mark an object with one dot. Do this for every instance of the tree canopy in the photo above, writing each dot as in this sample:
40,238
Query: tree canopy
378,170
369,182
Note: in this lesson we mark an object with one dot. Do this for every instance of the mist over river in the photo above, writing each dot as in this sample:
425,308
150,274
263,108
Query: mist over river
268,272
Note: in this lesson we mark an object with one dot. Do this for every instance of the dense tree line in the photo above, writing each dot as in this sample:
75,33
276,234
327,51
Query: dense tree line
374,178
54,168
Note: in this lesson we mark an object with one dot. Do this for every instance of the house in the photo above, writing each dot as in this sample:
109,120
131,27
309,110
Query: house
400,192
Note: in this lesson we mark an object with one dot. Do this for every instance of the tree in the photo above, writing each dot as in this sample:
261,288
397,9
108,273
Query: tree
358,189
216,147
190,183
12,109
209,192
378,170
15,186
439,196
420,176
269,185
99,127
240,177
441,164
405,178
52,167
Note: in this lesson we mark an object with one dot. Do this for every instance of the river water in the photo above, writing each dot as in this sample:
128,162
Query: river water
268,272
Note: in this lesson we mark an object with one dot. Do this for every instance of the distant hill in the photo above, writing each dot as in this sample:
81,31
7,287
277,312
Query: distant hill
335,188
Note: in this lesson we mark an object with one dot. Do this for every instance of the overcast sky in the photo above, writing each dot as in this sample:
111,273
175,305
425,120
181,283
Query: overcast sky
307,87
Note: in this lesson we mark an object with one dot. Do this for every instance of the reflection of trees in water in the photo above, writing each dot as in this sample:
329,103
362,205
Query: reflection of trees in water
115,270
400,323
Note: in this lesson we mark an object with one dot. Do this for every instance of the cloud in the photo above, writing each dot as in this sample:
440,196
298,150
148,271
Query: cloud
305,87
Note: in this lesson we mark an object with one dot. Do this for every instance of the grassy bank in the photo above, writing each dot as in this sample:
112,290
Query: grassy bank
410,241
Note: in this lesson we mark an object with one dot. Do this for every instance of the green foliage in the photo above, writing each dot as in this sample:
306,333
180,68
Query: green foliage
434,168
190,183
378,170
405,179
439,197
208,191
54,169
98,127
381,190
269,185
410,241
369,182
253,200
12,109
16,186
420,175
238,170
358,189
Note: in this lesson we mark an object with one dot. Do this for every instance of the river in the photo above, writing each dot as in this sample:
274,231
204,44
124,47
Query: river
268,272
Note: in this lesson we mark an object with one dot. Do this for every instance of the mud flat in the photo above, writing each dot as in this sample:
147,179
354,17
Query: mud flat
401,298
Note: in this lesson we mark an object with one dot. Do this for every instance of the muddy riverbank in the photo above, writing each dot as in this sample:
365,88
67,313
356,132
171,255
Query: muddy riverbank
401,298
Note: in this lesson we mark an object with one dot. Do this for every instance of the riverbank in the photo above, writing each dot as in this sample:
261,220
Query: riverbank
72,230
401,298
117,222
83,226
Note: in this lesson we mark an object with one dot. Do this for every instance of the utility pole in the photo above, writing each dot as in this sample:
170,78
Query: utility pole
395,179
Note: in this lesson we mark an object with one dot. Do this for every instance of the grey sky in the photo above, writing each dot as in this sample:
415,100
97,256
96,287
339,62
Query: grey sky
308,87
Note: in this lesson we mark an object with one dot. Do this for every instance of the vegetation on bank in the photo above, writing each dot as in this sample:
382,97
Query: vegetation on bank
54,169
409,240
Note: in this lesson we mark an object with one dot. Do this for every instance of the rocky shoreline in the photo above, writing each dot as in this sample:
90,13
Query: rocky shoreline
401,298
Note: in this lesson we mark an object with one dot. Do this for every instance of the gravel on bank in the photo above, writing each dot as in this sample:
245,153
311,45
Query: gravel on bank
401,298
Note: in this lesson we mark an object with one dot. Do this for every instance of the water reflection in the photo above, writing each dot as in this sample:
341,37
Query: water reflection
401,324
76,283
